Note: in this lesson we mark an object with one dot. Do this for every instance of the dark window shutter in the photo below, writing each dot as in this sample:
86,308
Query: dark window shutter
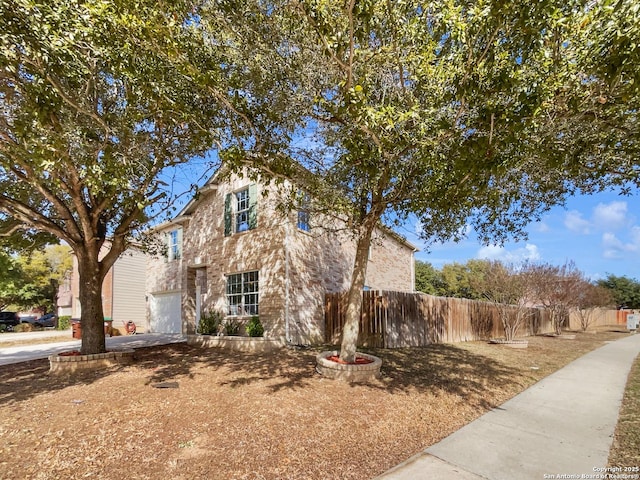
227,215
253,206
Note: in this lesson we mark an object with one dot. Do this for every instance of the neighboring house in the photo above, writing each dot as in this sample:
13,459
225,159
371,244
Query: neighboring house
65,297
123,291
232,250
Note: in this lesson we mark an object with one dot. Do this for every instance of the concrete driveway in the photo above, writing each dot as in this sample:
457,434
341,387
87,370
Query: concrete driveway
23,353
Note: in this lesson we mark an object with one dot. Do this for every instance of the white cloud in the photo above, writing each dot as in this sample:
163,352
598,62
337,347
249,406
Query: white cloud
611,216
542,227
529,252
612,246
573,221
616,248
605,217
491,252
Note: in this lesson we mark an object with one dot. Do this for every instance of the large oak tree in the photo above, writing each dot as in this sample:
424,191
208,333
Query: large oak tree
97,103
476,114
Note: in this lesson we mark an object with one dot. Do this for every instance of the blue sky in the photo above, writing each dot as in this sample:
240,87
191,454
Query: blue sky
600,233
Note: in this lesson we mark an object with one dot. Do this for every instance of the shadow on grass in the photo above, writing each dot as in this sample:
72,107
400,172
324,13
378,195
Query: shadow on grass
444,368
439,367
21,381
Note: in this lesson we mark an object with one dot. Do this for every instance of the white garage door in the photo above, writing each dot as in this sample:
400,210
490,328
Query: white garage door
166,313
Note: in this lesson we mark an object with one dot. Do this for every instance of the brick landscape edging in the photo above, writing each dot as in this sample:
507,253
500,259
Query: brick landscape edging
61,364
236,343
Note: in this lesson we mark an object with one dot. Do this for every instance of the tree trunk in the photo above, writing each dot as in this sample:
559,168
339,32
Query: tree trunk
55,286
92,316
507,324
556,315
354,299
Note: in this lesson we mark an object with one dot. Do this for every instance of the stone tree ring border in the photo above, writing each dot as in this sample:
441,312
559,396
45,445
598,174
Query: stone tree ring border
348,372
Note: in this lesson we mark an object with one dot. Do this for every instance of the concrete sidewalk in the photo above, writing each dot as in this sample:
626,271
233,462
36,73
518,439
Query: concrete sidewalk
48,333
562,425
23,353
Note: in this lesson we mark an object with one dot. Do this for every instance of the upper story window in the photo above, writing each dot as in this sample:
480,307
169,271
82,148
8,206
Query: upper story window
240,210
174,244
303,212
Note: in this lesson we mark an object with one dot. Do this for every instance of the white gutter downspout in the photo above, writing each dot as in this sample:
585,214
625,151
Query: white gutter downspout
286,283
413,271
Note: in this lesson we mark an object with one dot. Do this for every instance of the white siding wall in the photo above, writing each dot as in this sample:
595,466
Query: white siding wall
129,290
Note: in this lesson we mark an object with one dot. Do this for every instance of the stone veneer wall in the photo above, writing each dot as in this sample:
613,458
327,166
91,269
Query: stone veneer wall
322,261
163,275
391,264
318,263
261,249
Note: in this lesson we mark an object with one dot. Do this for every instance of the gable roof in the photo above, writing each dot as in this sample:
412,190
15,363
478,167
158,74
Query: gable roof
211,185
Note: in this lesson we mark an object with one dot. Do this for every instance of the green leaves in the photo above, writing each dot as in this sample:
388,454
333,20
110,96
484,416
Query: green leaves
483,112
31,280
625,290
96,106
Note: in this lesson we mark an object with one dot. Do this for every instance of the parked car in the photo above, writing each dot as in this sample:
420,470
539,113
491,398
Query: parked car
8,320
48,320
28,319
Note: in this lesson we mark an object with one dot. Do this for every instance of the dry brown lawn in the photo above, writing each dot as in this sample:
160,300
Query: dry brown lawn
625,451
239,416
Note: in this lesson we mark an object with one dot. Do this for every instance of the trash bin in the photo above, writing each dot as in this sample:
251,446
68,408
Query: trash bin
76,331
107,327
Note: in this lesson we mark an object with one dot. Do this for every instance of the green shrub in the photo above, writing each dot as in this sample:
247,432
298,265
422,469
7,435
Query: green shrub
254,327
210,323
64,322
232,326
3,327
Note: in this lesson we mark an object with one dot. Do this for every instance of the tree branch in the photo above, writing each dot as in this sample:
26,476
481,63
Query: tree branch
326,45
31,217
32,179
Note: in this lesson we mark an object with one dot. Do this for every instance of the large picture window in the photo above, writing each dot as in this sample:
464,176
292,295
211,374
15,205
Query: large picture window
242,293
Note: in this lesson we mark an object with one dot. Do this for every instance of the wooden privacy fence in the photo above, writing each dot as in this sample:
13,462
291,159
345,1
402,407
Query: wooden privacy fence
599,318
401,319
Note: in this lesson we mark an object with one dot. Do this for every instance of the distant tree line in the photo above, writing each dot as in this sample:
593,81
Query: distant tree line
469,280
30,279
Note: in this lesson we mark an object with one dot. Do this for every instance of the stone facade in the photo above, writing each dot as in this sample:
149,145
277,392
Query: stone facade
295,268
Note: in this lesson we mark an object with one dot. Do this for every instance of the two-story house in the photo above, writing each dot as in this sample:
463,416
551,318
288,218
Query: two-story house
231,249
